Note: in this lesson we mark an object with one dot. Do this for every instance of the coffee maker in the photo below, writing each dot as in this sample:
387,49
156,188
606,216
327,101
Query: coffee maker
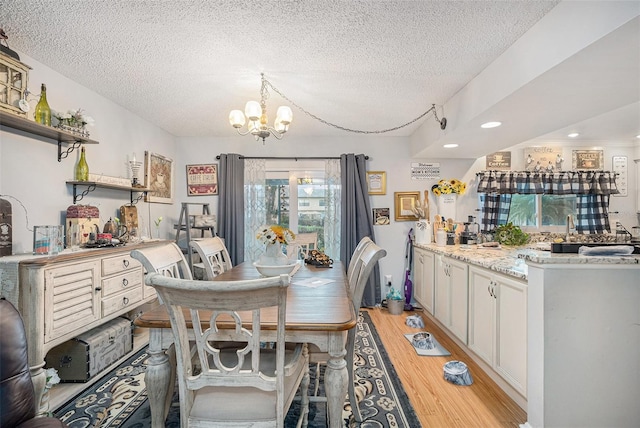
469,235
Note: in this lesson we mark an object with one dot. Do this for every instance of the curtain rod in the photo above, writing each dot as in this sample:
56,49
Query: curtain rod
290,157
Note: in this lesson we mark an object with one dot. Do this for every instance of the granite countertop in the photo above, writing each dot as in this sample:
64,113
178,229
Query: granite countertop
513,261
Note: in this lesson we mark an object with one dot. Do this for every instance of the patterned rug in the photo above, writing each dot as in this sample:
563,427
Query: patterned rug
119,399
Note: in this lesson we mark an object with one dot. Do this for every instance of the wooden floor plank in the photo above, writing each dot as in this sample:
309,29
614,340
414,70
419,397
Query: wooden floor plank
437,402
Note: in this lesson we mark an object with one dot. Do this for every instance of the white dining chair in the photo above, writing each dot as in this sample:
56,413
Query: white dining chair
167,260
233,387
364,242
213,254
302,244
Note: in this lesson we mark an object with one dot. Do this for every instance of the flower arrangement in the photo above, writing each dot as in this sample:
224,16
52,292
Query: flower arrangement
158,221
446,187
275,233
74,121
52,378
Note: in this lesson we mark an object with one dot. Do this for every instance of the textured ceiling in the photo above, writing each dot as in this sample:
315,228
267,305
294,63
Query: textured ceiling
184,64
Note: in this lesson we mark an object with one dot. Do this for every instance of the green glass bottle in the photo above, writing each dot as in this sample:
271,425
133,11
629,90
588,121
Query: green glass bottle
43,112
82,169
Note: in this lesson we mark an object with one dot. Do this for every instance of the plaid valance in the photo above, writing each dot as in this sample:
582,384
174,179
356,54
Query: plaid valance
548,183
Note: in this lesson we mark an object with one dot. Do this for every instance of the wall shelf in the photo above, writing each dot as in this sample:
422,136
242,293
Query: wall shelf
92,185
62,137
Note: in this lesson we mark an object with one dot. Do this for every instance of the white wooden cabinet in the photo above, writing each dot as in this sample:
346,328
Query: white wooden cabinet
498,324
424,278
62,296
451,295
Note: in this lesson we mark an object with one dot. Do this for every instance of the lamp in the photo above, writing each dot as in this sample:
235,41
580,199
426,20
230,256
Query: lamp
256,113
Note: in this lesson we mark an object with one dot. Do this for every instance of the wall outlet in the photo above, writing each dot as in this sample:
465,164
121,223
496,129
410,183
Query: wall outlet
388,280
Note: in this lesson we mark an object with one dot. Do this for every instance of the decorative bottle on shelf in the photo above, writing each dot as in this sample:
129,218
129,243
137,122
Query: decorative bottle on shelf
42,114
82,169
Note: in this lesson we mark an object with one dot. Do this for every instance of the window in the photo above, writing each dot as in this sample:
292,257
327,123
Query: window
545,212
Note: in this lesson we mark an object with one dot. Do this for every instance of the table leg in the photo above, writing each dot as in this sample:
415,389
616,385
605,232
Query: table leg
158,379
336,379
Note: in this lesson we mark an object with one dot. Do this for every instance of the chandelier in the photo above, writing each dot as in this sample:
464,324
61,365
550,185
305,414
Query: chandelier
256,113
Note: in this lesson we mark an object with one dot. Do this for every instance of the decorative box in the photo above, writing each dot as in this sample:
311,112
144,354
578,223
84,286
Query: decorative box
78,360
14,80
86,218
47,240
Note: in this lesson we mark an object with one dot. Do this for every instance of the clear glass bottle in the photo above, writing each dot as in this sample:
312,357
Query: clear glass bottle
82,168
42,113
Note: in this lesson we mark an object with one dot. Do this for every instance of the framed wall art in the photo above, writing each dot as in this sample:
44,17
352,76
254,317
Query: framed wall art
381,216
377,182
543,159
158,177
202,180
588,159
500,161
404,204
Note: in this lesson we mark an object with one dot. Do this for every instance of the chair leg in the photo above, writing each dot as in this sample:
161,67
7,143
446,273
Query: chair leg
317,381
304,387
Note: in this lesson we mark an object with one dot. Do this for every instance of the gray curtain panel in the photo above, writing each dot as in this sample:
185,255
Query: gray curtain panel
357,221
231,205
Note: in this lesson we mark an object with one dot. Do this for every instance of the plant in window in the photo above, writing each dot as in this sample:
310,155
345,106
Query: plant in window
446,187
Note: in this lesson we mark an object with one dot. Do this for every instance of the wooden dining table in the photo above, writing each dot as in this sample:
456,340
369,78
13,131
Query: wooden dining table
319,312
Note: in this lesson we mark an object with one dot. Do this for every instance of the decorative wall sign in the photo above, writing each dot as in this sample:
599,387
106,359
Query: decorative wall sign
543,159
377,182
158,176
620,168
499,161
202,179
381,216
588,159
425,171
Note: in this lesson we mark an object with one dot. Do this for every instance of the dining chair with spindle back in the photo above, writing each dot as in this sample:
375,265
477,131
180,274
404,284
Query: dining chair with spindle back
166,260
303,242
213,254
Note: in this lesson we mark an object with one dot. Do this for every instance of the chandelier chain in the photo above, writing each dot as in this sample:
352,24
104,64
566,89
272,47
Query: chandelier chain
266,83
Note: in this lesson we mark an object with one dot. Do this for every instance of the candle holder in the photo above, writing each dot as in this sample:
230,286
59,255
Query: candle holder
135,169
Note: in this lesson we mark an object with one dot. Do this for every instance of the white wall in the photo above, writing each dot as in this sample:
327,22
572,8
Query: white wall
30,172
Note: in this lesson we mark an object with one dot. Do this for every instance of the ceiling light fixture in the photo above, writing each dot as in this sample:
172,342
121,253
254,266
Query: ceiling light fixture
573,135
488,125
256,112
257,115
450,146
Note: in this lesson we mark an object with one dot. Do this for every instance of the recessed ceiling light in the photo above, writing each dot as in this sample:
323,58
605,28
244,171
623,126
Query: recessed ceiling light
638,136
450,146
490,125
573,135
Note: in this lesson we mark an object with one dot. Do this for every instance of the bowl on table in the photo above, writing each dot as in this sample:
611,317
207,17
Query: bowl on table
275,270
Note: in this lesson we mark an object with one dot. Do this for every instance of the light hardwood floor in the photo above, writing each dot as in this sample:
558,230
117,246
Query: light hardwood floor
437,402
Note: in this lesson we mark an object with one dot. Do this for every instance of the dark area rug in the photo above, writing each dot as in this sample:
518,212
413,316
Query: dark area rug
119,399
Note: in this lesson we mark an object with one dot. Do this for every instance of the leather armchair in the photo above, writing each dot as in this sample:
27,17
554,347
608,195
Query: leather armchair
17,398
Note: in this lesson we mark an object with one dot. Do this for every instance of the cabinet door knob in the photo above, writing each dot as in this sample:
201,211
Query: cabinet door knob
98,288
125,300
125,263
125,282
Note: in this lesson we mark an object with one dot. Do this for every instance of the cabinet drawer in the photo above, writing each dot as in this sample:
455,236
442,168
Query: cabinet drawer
117,264
120,301
125,281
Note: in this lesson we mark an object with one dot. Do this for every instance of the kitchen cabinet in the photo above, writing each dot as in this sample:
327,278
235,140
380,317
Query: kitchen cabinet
424,278
498,324
451,295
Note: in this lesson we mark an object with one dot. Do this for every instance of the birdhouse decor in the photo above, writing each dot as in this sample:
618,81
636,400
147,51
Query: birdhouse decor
14,80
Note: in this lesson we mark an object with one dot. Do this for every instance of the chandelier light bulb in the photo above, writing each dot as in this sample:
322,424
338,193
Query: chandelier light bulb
252,110
285,114
237,119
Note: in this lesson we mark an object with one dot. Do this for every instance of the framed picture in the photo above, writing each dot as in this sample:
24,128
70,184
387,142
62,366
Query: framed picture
202,179
377,182
158,177
543,159
404,203
381,216
500,161
588,159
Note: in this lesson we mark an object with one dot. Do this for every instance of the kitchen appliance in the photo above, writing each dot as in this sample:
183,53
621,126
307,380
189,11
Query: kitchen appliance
469,235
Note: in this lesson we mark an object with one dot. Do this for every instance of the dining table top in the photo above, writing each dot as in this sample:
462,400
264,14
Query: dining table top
318,298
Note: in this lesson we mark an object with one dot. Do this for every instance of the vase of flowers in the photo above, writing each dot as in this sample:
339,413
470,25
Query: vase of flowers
446,192
273,237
